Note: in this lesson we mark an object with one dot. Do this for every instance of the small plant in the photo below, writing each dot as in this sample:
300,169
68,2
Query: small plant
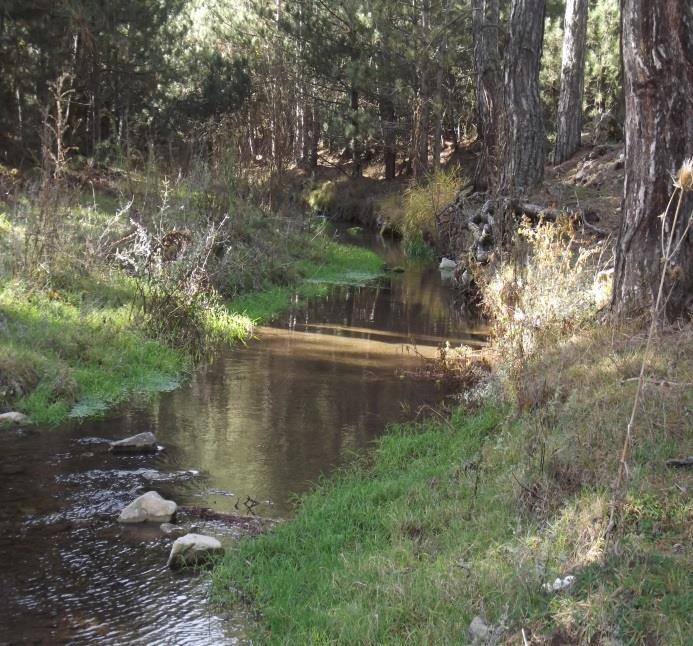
43,230
413,215
547,291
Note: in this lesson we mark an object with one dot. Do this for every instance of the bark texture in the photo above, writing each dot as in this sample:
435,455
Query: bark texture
389,127
356,152
523,145
489,88
572,81
658,75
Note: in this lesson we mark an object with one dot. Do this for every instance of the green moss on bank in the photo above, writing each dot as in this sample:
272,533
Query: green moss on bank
324,263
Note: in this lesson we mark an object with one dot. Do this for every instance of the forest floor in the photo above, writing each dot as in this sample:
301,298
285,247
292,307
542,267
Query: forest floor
74,338
491,525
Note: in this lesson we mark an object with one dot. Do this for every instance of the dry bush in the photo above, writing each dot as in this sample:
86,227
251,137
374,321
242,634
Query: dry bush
461,367
171,271
413,215
548,291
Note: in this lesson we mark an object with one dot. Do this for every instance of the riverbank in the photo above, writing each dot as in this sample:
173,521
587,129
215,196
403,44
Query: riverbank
85,325
75,353
498,521
477,514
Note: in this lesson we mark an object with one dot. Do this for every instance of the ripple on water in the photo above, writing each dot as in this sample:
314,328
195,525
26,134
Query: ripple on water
112,585
263,422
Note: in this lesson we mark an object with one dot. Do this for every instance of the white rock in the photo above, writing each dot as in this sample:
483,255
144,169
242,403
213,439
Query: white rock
478,631
560,584
149,507
14,417
447,265
193,548
140,443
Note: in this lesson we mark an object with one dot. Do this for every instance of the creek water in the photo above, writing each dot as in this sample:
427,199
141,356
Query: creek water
259,424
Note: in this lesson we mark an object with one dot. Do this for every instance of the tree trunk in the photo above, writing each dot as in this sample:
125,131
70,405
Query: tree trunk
314,135
569,127
356,157
658,74
523,153
387,118
438,101
422,104
307,136
438,114
420,130
489,89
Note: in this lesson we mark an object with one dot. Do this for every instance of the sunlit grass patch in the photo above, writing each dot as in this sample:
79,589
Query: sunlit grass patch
78,354
326,263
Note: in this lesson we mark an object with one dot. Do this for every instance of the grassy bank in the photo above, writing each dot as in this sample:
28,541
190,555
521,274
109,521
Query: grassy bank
472,516
96,307
76,352
477,514
325,263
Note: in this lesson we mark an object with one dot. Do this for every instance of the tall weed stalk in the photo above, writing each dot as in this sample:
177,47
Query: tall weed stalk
670,246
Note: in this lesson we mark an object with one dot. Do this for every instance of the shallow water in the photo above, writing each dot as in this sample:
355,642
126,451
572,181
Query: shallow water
258,425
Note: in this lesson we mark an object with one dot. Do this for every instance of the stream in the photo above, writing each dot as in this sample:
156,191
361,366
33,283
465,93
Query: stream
260,423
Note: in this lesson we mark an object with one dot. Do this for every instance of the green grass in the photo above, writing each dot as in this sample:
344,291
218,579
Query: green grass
357,563
326,263
76,353
473,515
79,359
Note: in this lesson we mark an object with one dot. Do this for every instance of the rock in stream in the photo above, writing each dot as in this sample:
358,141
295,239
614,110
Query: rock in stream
140,443
149,507
193,549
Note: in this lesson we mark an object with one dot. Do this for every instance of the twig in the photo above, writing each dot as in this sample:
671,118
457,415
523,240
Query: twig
435,412
597,230
527,489
659,382
679,463
337,166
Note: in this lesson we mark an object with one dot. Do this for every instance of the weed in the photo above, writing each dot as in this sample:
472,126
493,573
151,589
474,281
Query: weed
412,214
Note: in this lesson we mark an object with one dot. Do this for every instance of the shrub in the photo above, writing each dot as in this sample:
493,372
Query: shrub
321,197
545,292
413,216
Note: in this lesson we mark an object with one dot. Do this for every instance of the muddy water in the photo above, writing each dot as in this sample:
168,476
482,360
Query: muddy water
258,425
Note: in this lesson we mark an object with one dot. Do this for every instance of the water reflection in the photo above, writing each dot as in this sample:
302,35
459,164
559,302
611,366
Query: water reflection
265,420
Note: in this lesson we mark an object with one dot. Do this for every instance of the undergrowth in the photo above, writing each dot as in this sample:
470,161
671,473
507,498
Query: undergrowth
412,213
125,289
476,514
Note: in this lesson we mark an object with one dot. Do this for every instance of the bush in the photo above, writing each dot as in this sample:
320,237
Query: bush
516,296
413,216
